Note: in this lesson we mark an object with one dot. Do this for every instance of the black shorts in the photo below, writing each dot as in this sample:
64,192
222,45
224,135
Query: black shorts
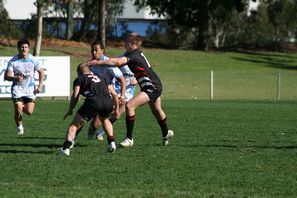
153,94
96,106
24,100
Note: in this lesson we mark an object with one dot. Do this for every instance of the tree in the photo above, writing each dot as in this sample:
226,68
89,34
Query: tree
69,31
283,16
8,29
40,10
101,22
190,15
89,8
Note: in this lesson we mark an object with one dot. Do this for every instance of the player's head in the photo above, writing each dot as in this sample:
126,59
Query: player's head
23,47
82,69
22,42
133,41
97,50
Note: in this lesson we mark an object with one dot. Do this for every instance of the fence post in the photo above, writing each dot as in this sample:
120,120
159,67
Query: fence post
211,85
278,88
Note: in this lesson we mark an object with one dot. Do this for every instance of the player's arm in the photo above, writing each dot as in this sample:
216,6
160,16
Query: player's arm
112,62
116,73
41,78
10,77
115,100
73,101
123,89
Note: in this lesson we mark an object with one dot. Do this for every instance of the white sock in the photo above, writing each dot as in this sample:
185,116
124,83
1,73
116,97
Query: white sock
20,127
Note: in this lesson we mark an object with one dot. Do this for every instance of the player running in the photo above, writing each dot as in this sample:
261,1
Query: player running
20,70
100,99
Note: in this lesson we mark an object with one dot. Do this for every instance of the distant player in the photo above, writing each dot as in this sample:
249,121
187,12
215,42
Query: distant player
100,100
20,70
150,87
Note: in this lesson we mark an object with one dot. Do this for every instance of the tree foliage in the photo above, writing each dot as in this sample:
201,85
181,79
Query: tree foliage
193,15
7,28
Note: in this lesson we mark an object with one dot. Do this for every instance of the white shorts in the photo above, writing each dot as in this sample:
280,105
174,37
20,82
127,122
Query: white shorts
129,92
19,91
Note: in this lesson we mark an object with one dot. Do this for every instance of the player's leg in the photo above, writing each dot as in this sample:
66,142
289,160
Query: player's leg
29,106
93,127
75,125
160,116
135,102
112,119
18,116
107,125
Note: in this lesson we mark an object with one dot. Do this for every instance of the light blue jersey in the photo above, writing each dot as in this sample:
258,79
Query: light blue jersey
130,88
109,73
26,68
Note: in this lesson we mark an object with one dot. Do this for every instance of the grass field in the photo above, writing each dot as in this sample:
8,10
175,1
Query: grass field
220,149
242,144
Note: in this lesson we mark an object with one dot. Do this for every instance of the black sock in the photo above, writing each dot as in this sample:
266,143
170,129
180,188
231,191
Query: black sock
130,125
110,139
163,125
67,145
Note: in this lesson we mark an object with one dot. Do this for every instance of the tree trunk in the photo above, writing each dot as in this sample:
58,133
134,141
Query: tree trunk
69,31
101,22
40,10
203,23
87,20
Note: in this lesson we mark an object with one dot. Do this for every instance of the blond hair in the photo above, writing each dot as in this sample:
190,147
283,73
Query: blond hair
135,38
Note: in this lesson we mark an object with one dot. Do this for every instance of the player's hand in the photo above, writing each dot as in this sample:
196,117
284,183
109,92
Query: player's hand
92,62
122,100
19,77
68,113
39,89
116,113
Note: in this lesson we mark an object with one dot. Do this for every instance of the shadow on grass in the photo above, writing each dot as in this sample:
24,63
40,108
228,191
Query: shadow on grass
27,152
44,138
250,146
37,145
277,64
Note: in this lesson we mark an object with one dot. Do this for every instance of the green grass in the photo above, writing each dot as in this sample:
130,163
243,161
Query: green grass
242,144
220,149
186,74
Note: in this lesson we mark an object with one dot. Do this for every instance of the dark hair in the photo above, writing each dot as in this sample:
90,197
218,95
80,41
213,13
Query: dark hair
81,69
22,42
98,43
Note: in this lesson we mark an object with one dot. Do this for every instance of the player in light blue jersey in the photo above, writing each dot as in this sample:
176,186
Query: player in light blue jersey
20,70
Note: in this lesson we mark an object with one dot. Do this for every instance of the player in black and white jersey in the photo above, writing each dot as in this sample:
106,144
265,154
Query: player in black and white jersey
100,100
150,87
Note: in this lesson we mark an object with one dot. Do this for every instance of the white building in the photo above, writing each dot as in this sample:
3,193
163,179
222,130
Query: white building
137,20
25,8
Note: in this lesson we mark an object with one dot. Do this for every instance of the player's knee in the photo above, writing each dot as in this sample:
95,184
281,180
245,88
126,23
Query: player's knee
29,112
129,106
